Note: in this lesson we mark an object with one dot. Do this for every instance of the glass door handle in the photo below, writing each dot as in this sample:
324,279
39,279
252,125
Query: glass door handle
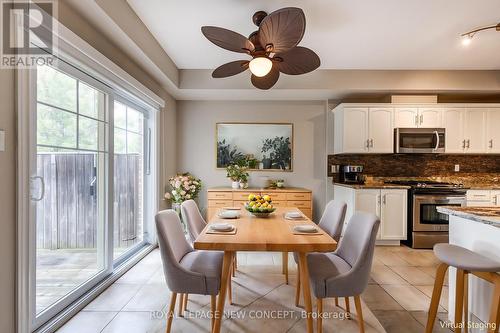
42,191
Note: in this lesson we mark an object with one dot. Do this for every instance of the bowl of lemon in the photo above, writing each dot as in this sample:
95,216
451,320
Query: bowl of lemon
260,206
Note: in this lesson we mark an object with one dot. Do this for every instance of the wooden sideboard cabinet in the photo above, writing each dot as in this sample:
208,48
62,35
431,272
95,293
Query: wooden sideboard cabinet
219,197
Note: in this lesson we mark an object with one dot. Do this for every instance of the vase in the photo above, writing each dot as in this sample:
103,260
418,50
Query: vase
176,207
243,185
235,185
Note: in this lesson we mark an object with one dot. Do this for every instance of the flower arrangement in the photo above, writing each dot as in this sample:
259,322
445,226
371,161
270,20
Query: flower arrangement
184,187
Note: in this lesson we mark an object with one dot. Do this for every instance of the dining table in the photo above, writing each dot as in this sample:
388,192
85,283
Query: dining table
274,233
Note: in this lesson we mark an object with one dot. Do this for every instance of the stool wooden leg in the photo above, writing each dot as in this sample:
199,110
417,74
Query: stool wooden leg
319,305
495,308
297,289
436,296
459,299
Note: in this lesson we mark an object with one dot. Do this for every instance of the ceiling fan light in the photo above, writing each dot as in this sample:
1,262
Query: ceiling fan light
260,66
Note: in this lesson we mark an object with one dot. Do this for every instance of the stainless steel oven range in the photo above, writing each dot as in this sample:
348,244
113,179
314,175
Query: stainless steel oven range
426,226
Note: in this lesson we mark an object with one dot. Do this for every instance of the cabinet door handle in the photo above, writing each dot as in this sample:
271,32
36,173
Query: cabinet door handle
367,143
468,143
491,143
378,199
371,143
463,144
421,119
416,120
384,199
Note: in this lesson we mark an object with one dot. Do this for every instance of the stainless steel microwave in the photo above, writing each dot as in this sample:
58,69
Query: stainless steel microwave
419,140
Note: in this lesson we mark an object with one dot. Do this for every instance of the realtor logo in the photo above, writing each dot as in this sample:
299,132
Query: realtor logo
27,33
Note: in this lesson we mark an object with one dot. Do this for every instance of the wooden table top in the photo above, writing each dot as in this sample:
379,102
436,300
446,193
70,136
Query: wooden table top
273,233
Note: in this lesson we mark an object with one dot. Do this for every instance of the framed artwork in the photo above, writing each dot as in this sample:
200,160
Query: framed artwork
259,146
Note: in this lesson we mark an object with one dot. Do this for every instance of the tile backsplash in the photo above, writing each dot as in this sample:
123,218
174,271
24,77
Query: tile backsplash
486,168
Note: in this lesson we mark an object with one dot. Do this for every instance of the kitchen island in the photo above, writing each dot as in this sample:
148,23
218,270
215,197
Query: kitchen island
477,229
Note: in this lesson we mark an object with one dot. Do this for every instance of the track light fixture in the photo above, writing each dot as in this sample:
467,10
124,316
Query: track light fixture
467,37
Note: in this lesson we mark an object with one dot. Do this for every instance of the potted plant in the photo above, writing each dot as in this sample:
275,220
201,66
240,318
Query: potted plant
236,173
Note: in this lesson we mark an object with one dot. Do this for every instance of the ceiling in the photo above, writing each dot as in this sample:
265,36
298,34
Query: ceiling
354,34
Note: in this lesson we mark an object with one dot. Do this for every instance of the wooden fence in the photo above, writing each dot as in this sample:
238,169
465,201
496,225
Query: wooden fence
67,217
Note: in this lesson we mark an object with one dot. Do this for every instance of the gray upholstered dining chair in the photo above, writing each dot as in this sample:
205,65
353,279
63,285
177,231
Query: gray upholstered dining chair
196,223
187,271
331,222
345,272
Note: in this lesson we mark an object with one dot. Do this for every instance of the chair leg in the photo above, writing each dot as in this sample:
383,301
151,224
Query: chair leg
466,301
181,305
284,259
436,296
297,289
359,311
235,261
336,301
347,307
230,290
459,299
495,308
184,309
233,267
171,310
213,301
319,306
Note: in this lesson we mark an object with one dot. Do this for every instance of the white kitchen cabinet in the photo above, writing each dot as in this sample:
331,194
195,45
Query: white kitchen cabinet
388,204
363,130
453,120
406,117
368,201
493,131
351,131
430,117
475,136
393,210
418,117
380,130
495,197
479,198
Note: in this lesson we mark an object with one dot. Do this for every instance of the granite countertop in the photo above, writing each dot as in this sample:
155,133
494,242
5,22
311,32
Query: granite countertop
372,185
487,215
484,187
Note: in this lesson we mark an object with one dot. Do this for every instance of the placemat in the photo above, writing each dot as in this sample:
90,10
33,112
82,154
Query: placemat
215,232
320,232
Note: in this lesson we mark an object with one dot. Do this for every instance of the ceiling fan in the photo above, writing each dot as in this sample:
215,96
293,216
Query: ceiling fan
273,47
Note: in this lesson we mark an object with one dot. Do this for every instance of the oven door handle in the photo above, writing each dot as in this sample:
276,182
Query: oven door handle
437,140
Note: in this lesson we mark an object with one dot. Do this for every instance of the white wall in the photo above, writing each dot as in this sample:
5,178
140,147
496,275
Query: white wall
196,122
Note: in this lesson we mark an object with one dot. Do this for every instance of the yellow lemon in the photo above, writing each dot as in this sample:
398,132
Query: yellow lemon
251,197
267,197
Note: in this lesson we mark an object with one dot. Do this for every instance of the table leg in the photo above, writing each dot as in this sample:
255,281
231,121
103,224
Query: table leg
284,259
304,277
219,313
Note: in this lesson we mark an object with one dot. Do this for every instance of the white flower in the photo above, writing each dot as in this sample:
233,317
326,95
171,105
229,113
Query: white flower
188,196
168,196
183,192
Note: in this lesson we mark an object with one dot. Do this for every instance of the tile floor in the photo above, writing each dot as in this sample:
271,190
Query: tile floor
396,299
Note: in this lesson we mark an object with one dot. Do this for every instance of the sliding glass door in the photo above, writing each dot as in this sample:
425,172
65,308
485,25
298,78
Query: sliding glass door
90,188
70,186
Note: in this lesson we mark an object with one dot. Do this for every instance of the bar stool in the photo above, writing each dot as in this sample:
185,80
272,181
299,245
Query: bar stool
466,262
